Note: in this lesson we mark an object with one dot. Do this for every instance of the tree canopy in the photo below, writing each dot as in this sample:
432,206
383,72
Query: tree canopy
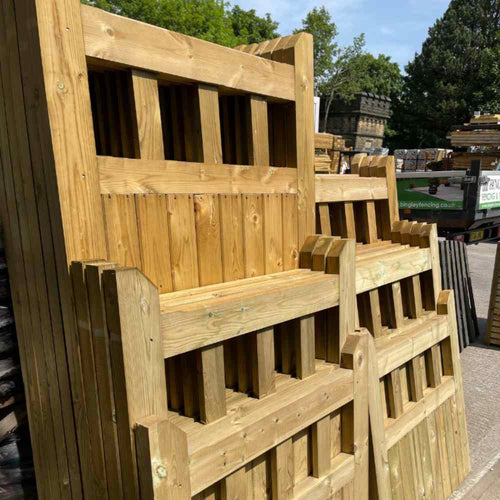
210,20
456,73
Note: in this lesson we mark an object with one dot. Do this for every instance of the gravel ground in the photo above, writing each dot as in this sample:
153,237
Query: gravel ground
481,374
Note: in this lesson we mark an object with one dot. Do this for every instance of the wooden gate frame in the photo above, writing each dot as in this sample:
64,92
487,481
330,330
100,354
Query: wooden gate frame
52,182
430,428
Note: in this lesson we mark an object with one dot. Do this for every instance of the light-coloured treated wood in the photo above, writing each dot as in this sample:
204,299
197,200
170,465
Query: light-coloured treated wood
234,486
337,188
278,417
305,347
433,364
110,38
258,147
321,447
127,176
395,398
262,362
154,240
162,456
273,233
132,310
253,230
282,470
189,326
208,97
148,116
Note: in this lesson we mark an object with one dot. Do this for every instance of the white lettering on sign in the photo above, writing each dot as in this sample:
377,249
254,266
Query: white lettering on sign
489,194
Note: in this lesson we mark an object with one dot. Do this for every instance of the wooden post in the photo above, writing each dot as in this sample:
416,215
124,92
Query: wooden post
133,318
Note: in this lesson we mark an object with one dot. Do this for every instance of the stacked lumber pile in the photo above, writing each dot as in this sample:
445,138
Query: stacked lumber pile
188,327
493,324
328,152
417,416
481,131
463,161
17,475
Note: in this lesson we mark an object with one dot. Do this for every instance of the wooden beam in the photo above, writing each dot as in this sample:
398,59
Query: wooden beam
258,139
126,176
208,97
190,326
109,38
337,188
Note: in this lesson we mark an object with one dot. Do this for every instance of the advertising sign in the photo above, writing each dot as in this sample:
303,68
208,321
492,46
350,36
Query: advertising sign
430,192
489,193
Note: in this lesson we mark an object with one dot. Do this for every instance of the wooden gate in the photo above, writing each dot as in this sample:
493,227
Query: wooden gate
177,359
417,417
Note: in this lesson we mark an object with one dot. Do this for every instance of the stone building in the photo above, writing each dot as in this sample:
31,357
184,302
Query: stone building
362,121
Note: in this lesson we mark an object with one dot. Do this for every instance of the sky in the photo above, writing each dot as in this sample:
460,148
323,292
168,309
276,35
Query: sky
392,27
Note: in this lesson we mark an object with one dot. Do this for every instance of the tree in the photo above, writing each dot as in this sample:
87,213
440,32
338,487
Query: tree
250,28
455,74
319,24
379,75
209,20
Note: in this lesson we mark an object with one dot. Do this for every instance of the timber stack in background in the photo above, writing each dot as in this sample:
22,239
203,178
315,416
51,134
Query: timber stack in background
199,315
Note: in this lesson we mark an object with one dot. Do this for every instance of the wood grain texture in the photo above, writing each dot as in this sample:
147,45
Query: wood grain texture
109,38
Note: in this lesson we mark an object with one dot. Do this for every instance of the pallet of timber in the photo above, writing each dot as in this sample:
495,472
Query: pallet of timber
328,149
156,191
463,161
495,119
419,445
493,324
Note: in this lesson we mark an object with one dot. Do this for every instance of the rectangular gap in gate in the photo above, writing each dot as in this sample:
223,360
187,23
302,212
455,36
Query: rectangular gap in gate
115,126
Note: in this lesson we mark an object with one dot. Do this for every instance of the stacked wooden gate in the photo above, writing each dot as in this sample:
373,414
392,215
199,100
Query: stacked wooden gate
191,372
418,432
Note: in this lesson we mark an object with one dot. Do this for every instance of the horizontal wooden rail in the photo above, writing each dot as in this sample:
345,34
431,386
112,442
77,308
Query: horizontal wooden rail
341,474
415,412
126,176
216,450
215,315
338,188
396,350
118,40
374,273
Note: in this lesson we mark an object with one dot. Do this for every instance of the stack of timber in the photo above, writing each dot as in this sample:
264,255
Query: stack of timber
493,324
166,318
417,419
17,475
328,149
481,131
455,275
463,161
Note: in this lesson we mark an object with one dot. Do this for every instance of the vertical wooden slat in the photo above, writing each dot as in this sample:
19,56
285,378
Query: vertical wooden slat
101,341
290,232
148,115
231,213
182,235
89,375
253,235
212,392
121,229
396,476
415,375
305,347
234,486
273,233
133,315
321,446
258,139
282,471
154,241
324,215
350,226
302,466
398,305
208,236
262,362
210,124
433,365
395,397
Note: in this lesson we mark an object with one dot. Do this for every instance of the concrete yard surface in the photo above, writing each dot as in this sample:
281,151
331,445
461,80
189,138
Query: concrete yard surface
481,374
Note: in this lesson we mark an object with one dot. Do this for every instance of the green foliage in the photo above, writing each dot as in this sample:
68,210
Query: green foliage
210,20
379,75
456,73
319,24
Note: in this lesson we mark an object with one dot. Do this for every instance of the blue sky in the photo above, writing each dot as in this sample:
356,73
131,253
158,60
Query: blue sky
392,27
